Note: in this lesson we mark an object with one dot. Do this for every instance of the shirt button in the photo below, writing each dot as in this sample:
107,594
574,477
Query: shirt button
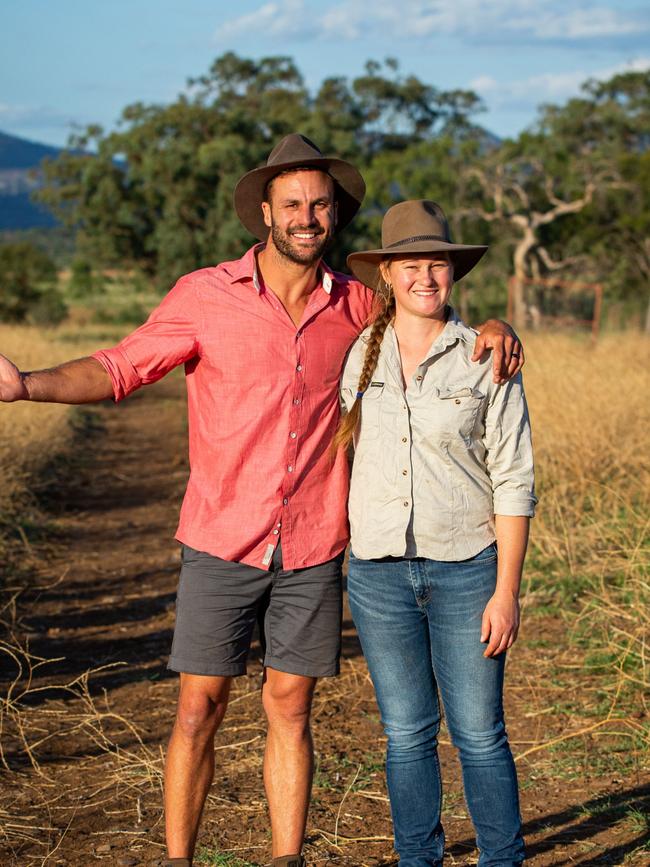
457,400
279,524
290,468
285,501
404,439
299,367
406,502
405,472
293,434
276,532
419,377
296,401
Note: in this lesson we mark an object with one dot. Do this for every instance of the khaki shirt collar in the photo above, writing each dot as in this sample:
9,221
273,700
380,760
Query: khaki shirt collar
454,330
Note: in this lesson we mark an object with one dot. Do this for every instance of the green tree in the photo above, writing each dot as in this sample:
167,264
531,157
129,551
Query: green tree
27,285
574,190
156,195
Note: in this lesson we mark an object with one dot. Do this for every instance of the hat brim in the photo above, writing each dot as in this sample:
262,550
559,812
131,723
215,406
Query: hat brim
365,265
249,192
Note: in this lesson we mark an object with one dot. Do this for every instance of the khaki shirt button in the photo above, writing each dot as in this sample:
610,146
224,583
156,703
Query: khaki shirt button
419,378
404,439
405,472
406,502
457,400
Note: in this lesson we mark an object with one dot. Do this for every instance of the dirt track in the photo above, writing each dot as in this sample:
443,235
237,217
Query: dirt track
111,571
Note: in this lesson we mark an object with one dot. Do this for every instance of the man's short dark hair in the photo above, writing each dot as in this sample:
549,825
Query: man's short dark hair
269,184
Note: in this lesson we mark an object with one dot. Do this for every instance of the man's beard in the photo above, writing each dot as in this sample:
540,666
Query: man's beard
283,243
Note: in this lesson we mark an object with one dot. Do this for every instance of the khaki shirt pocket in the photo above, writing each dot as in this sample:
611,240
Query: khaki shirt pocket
371,412
457,409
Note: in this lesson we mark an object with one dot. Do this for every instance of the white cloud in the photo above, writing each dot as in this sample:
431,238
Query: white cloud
549,87
29,116
555,20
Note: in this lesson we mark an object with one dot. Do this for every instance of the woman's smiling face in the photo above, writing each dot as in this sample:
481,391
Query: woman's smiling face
421,283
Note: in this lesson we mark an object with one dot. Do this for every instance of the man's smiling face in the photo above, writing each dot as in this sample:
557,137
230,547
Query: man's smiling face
301,213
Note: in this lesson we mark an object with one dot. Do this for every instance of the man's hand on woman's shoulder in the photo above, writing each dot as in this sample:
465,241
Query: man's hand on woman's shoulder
507,352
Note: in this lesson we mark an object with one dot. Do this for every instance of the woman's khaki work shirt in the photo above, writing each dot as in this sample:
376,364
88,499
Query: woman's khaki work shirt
436,461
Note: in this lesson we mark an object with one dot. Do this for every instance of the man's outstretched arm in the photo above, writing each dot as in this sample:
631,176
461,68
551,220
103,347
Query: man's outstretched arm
507,351
81,381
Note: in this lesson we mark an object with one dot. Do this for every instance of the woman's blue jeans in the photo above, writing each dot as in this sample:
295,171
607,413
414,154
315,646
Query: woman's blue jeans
419,622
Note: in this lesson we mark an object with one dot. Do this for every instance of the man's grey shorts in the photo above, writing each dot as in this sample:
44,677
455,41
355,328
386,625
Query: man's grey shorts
219,602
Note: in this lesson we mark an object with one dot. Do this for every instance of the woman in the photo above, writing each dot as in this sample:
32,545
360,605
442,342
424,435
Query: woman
442,479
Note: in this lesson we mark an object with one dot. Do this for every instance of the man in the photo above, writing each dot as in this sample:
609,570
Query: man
263,520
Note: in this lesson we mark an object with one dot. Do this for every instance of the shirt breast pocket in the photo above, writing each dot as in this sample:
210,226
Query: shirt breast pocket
457,410
371,411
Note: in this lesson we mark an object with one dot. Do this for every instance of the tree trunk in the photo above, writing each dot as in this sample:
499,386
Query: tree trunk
523,248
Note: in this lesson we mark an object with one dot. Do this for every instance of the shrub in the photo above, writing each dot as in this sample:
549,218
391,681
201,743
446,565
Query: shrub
28,284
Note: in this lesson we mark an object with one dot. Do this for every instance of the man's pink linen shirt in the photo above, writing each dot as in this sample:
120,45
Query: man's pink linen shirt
262,407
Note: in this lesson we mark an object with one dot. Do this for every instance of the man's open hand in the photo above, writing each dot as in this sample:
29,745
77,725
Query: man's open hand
12,386
507,351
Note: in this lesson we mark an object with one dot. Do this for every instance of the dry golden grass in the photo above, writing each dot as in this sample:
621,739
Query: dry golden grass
590,409
33,434
27,432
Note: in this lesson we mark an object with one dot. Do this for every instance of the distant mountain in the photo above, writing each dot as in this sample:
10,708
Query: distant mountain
18,153
20,175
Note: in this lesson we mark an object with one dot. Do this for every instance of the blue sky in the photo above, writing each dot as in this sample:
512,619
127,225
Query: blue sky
81,61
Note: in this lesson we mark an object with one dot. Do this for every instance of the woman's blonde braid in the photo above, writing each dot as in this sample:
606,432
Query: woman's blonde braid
350,421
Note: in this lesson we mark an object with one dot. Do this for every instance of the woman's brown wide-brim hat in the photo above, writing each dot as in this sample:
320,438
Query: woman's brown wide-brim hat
417,226
294,152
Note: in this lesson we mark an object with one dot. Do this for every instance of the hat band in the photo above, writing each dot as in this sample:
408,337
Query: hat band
414,238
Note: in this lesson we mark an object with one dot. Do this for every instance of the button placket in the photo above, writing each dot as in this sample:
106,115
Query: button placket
294,426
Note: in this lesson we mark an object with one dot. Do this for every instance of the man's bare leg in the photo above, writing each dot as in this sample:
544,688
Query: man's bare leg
189,767
289,757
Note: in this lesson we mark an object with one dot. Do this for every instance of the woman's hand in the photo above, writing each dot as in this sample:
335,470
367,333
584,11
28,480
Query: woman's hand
500,623
507,351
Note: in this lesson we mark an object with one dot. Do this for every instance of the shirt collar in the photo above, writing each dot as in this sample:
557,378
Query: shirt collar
454,330
246,269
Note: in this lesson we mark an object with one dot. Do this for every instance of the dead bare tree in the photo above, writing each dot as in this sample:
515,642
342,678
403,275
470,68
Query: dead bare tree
516,192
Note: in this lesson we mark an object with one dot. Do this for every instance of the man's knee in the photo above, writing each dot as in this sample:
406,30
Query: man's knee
287,698
202,705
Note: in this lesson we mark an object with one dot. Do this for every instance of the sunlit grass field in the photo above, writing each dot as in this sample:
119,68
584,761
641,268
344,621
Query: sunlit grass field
31,435
589,559
590,410
586,589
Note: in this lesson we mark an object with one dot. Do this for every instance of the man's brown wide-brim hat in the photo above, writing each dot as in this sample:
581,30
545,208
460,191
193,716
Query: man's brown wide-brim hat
417,226
294,152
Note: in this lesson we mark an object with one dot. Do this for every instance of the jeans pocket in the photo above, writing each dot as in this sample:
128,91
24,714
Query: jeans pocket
487,555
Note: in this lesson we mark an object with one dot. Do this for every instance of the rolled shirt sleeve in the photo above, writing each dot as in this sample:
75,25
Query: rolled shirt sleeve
169,337
509,452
